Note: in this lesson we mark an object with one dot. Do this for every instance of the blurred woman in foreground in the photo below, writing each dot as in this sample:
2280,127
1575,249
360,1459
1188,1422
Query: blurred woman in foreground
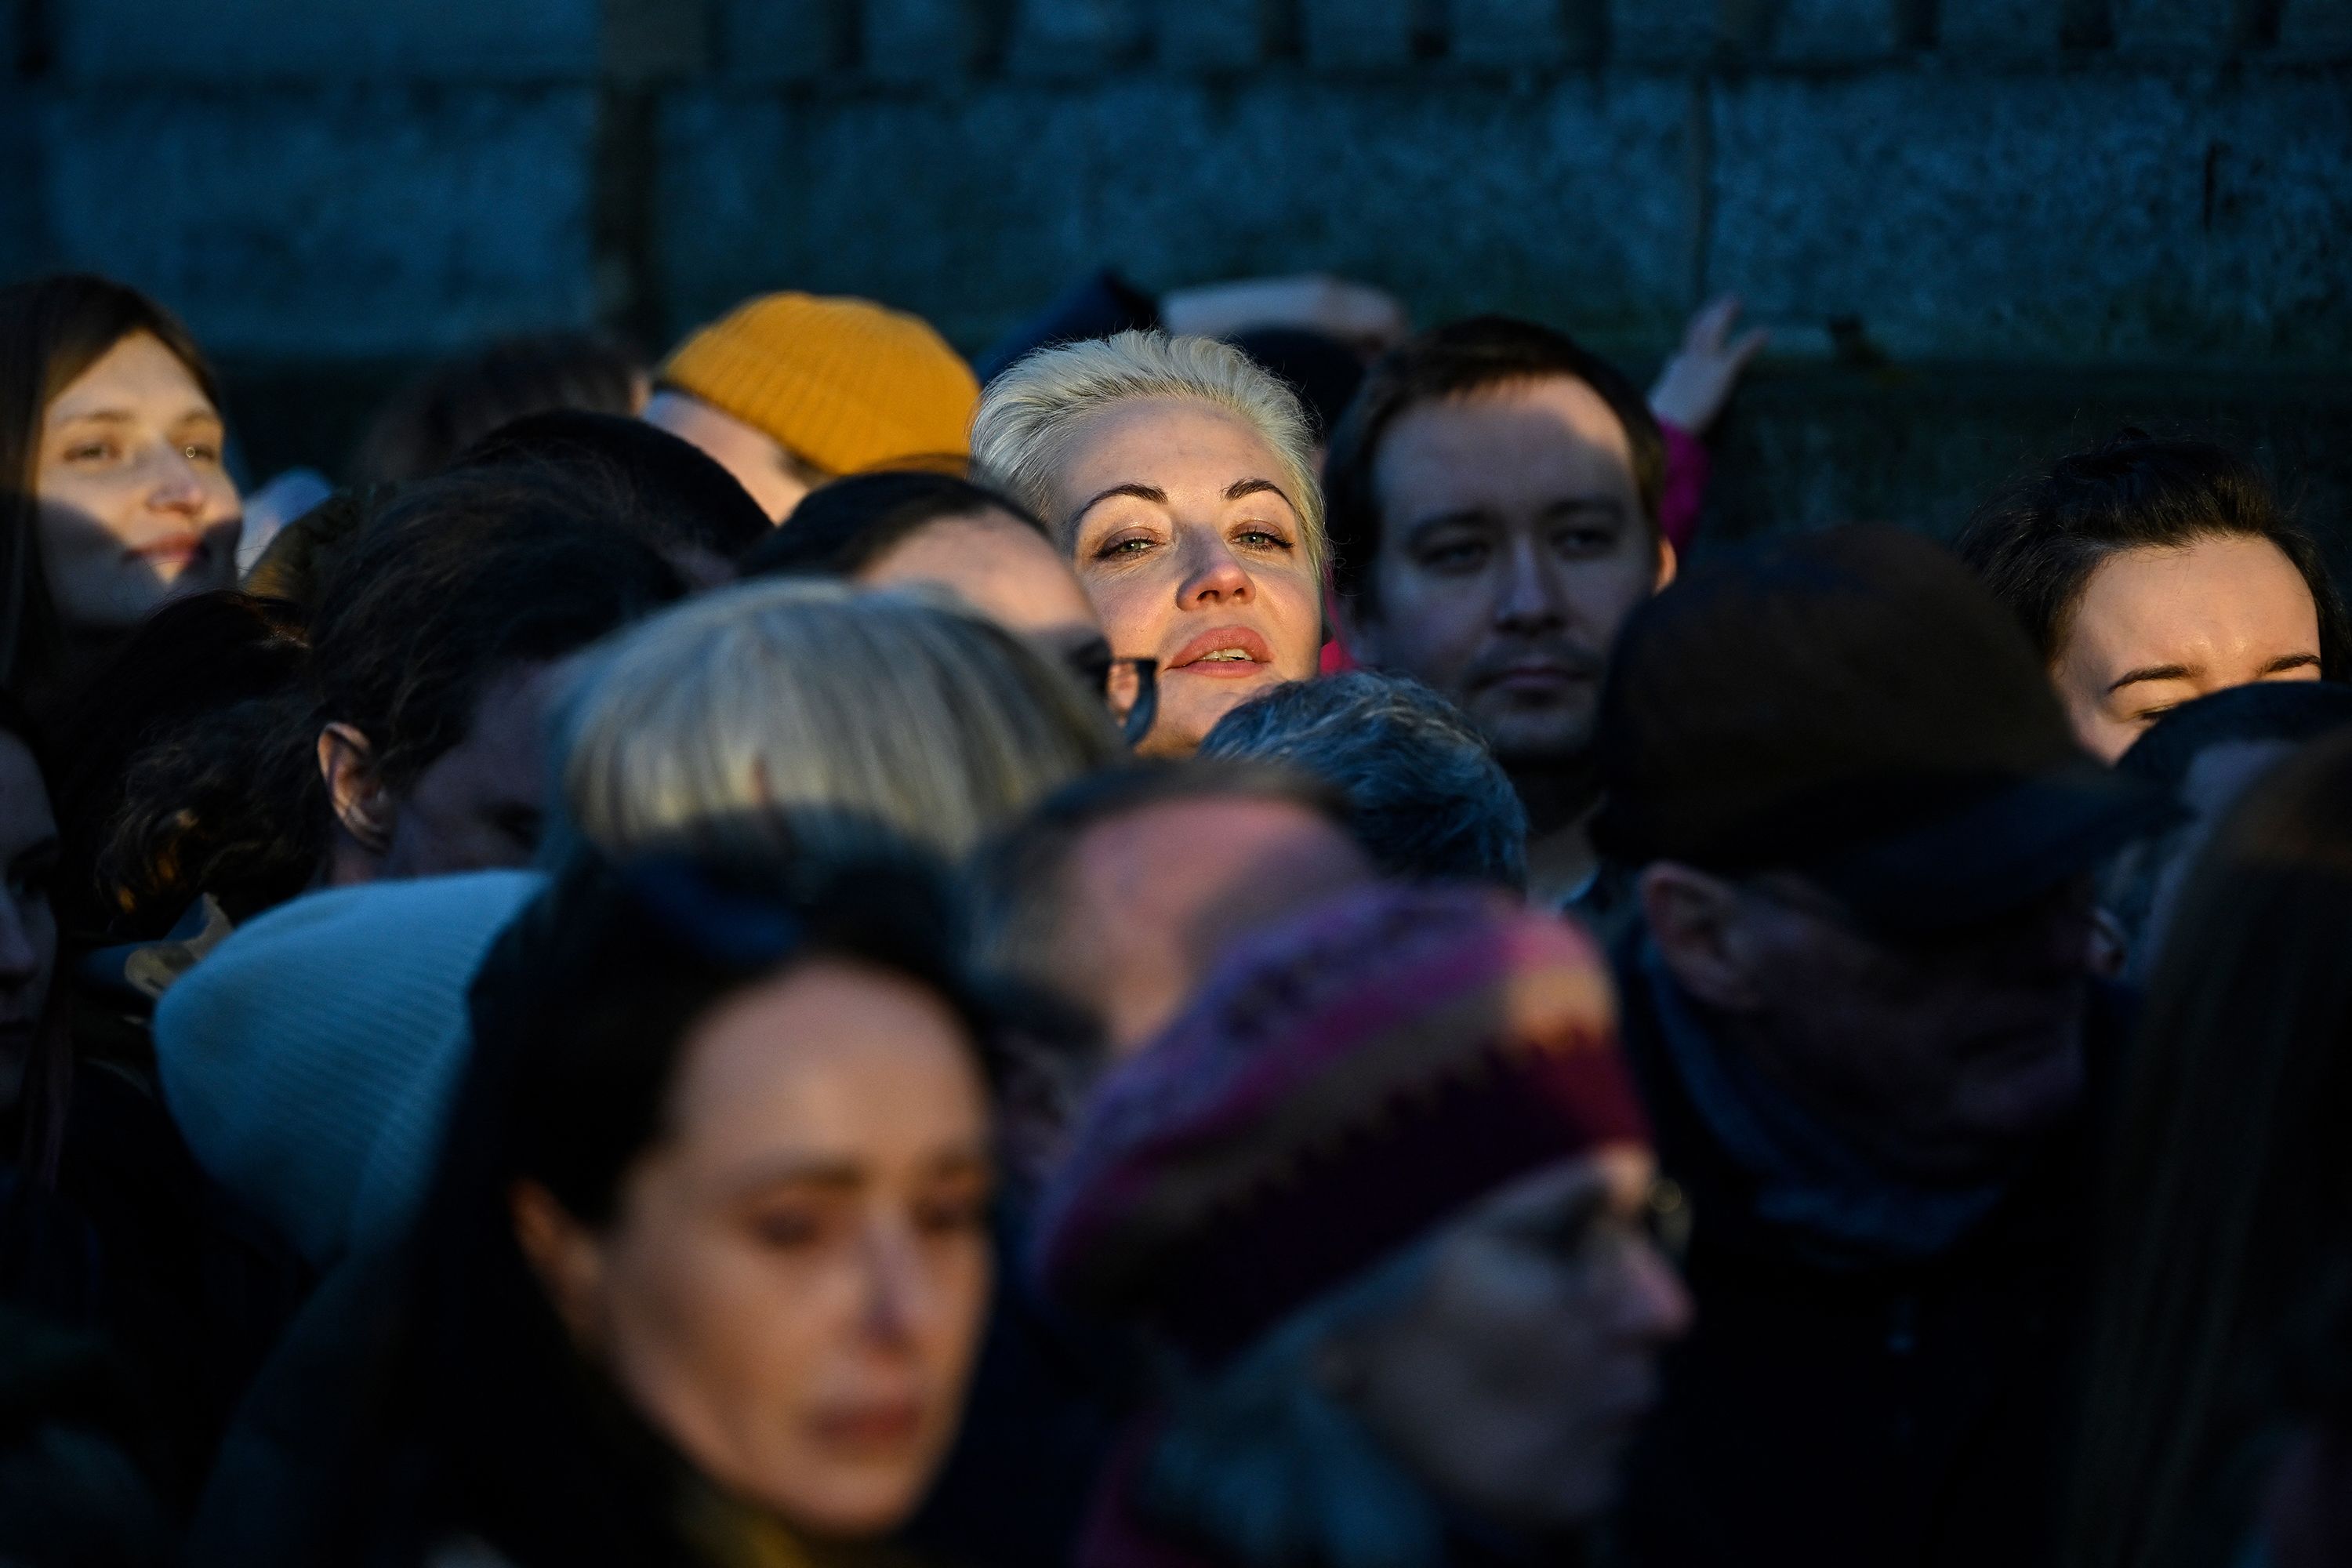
2229,1197
707,1258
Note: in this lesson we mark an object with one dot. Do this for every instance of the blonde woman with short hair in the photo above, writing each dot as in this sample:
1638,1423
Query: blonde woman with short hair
801,715
1179,478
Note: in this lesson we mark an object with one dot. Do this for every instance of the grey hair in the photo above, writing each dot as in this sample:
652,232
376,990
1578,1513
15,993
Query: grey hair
1424,795
1023,432
1261,1460
777,715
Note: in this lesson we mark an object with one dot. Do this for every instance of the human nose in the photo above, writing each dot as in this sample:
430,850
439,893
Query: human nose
178,487
1528,602
1213,576
1654,1304
20,955
900,1294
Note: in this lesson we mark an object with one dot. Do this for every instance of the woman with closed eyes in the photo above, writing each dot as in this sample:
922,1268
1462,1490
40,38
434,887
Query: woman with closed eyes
1179,477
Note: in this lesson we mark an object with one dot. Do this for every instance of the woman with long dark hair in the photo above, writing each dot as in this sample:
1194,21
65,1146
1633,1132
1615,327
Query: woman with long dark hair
113,493
705,1267
2228,1192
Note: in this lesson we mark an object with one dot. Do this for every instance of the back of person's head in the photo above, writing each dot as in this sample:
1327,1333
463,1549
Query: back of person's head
424,425
846,526
2204,754
1423,793
842,384
667,490
1018,881
1850,706
146,778
512,1418
1029,416
461,577
778,714
1459,360
2037,544
2225,1194
51,330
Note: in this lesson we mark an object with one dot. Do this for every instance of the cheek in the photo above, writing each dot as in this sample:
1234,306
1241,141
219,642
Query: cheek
1294,603
1134,605
1428,623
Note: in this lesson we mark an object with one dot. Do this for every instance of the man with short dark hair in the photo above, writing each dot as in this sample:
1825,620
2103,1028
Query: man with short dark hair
1493,500
1858,1000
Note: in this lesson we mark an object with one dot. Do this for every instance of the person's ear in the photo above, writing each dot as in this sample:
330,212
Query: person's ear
1694,919
1670,562
566,1257
354,789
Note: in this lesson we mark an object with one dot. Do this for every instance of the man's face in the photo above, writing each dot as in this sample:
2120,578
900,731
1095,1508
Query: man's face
1944,1057
1512,548
1155,896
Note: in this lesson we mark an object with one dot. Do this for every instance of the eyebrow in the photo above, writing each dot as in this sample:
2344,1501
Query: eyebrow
2290,661
2150,672
1151,493
1241,487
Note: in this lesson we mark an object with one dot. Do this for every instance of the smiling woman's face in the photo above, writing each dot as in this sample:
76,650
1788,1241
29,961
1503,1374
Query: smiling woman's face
135,506
1180,526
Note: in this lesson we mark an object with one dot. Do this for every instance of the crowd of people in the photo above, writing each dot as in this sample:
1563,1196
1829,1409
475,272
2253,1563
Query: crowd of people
1216,939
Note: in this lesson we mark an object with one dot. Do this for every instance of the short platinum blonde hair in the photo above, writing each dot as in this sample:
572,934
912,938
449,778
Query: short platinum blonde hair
1024,429
805,715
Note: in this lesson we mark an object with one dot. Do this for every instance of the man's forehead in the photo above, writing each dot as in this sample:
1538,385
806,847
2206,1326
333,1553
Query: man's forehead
1504,439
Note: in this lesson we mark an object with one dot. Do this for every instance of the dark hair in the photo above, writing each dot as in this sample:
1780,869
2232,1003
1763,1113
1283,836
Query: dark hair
493,1422
447,408
460,577
2036,545
2228,1190
1323,370
51,330
1423,793
149,780
848,526
2285,710
676,495
2284,714
1451,362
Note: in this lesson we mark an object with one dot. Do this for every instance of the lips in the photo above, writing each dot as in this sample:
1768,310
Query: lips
883,1427
179,550
1224,652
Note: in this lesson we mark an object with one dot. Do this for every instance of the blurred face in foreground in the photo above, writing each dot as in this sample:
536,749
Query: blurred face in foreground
1512,1377
2156,627
1180,527
793,1287
135,505
1512,547
1942,1058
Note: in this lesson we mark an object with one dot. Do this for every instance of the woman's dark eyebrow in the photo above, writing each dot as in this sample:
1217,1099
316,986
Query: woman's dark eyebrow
2153,672
1141,492
1241,487
2290,661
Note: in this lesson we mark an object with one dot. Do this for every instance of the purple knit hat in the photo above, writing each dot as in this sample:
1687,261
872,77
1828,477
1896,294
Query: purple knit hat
1341,1084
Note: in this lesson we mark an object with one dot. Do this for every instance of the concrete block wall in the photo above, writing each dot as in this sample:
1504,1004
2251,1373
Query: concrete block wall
2040,195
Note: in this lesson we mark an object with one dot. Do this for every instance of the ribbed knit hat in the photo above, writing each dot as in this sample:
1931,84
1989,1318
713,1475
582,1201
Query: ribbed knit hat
1342,1084
845,384
310,1058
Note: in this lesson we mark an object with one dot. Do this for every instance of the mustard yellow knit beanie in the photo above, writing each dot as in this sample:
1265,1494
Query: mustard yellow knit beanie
845,384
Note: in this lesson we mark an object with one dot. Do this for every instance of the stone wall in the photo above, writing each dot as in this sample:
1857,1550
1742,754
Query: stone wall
1983,227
